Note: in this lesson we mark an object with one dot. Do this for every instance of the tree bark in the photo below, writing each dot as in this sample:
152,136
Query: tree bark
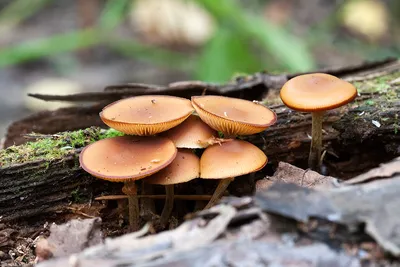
356,137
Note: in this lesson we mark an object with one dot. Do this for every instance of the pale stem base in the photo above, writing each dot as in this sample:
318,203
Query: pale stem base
219,191
316,141
130,189
168,205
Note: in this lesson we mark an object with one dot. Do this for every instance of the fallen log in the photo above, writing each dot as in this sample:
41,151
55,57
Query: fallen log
251,87
357,137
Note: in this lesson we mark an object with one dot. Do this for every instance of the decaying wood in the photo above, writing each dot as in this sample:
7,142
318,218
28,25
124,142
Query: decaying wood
51,122
252,87
36,187
357,137
352,205
284,225
231,234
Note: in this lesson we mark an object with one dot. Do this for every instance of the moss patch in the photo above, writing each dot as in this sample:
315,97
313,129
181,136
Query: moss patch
379,85
51,147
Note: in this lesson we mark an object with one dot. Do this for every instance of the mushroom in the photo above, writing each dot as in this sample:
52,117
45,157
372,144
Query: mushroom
185,167
146,115
192,133
316,93
126,159
231,116
227,161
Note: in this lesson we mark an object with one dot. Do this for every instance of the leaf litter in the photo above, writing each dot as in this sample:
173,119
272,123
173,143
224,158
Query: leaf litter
301,219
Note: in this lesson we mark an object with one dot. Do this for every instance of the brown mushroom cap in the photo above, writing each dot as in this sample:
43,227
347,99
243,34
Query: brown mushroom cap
231,159
146,115
185,167
233,115
316,92
192,133
124,158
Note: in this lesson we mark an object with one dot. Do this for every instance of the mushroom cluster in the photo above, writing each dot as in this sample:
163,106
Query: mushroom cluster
162,134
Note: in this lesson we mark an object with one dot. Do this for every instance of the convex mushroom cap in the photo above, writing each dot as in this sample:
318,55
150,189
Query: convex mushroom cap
124,158
185,167
192,133
231,159
233,116
316,92
146,115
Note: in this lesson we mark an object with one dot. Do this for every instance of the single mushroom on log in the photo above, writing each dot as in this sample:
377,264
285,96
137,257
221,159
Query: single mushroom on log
126,159
316,93
232,117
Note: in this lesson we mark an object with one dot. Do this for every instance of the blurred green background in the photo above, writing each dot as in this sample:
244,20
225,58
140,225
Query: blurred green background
63,46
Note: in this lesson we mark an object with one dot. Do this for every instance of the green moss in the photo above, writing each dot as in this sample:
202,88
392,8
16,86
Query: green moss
77,196
379,85
50,147
382,91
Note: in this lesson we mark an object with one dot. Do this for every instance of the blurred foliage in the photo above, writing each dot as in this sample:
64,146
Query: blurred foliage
244,29
244,41
18,10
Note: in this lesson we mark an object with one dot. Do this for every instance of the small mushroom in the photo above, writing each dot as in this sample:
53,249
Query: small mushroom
185,167
316,93
231,116
227,161
146,115
126,159
192,133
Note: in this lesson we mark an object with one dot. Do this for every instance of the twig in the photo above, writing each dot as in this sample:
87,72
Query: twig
184,197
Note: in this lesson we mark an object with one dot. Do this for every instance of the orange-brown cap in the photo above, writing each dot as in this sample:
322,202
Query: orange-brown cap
124,158
185,167
146,115
192,133
233,115
231,159
317,92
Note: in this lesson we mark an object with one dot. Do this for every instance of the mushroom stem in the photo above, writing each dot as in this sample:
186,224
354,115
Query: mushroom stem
147,204
168,205
219,191
229,136
130,189
316,141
